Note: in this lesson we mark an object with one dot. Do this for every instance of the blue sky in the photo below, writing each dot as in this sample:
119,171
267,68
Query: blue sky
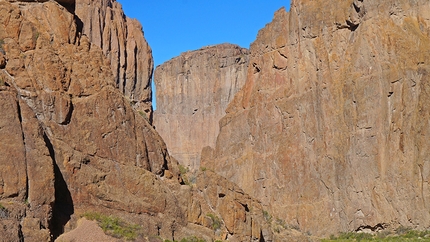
175,26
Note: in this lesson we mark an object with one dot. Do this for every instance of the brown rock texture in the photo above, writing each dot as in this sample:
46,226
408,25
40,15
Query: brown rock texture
70,139
330,131
122,41
72,143
193,91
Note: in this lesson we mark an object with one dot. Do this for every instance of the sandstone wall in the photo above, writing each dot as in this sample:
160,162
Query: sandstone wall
71,143
331,129
122,41
70,139
193,91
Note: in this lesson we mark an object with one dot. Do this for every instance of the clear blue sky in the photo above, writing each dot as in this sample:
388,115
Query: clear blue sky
175,26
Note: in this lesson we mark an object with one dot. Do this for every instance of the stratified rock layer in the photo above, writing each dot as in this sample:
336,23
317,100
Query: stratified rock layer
331,129
193,91
122,41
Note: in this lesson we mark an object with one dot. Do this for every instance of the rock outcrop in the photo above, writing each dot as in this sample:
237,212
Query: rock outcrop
70,139
71,143
331,129
122,41
193,91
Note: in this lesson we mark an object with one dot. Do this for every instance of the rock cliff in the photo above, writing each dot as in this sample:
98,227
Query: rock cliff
70,139
122,41
193,91
72,143
331,129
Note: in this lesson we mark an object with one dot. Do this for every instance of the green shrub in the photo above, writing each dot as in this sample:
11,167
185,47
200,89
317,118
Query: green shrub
216,222
114,226
192,239
402,234
183,170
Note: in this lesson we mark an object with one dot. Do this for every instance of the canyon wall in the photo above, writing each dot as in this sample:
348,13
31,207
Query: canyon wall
122,41
193,91
72,143
330,131
70,139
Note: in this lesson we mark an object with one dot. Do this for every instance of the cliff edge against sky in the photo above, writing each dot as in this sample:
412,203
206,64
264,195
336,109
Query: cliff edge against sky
330,131
73,140
325,127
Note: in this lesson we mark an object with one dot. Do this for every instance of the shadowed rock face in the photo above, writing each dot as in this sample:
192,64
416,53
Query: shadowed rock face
331,129
193,91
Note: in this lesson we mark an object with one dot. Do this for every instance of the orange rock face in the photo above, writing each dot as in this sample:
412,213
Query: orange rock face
122,41
70,139
193,91
330,131
72,143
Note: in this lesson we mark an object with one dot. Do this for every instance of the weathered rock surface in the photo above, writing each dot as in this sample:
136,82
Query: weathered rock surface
70,139
122,41
193,91
331,129
71,142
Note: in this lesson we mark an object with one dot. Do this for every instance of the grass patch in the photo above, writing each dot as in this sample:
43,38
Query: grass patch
403,235
114,226
1,43
216,222
188,239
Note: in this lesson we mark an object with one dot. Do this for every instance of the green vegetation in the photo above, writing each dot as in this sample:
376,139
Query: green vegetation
2,83
114,226
267,216
2,207
216,222
183,170
1,43
400,235
280,225
188,239
203,168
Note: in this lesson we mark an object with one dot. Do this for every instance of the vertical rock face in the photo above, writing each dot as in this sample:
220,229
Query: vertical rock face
70,140
331,128
71,143
193,91
122,41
